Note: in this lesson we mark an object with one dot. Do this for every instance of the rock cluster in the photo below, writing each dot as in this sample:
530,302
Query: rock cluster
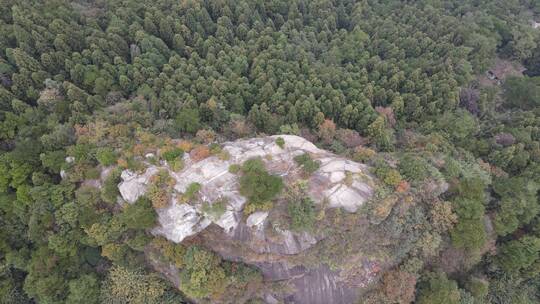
337,183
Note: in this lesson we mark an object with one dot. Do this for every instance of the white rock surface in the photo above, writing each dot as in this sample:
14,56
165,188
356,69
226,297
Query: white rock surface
256,219
178,221
134,185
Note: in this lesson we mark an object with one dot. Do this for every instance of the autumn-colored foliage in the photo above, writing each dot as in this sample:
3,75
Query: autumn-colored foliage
399,286
199,153
327,131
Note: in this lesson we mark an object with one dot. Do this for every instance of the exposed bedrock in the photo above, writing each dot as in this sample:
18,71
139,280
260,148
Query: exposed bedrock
257,239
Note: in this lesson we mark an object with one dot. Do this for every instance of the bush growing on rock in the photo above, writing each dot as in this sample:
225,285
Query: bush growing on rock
215,209
170,154
257,184
307,163
191,191
109,191
280,142
199,153
234,168
302,213
206,136
159,190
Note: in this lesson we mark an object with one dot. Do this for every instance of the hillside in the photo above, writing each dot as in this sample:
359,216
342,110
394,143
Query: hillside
282,151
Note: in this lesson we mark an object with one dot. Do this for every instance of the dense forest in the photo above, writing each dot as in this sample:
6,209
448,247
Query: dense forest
88,84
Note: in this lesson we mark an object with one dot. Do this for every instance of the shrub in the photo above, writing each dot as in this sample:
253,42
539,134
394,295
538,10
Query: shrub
414,168
438,289
185,145
173,252
256,184
251,207
206,136
477,287
350,138
362,154
139,215
92,173
216,209
280,142
327,131
159,192
124,286
399,286
234,168
199,153
188,121
191,191
308,165
109,191
388,175
203,274
171,153
302,213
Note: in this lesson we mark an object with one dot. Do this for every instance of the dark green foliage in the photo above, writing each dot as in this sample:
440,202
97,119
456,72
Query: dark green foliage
109,191
85,78
187,121
139,215
280,142
478,287
234,168
469,233
518,203
256,184
414,168
307,163
302,213
172,154
437,288
523,93
106,156
387,174
517,255
84,289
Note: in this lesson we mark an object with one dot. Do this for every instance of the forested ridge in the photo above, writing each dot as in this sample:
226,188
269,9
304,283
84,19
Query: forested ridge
397,85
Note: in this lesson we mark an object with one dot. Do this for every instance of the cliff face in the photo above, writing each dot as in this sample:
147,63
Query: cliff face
330,263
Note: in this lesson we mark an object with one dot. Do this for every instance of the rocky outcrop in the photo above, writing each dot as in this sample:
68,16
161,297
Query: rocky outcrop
341,182
262,239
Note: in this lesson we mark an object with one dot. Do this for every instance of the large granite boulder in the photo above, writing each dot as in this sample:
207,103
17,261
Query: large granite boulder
260,239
